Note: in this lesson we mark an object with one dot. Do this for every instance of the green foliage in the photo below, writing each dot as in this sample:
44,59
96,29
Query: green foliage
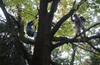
97,1
28,11
95,59
13,2
83,8
66,29
57,57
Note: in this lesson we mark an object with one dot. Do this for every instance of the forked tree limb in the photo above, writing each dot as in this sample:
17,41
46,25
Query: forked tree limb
64,40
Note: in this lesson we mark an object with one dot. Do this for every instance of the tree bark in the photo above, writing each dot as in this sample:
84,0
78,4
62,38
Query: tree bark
42,52
73,55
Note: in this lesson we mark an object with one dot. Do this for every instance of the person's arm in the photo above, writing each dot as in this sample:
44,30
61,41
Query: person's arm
72,18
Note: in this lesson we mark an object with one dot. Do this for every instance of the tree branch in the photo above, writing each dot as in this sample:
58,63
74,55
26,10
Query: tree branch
53,9
54,63
59,23
60,43
2,5
97,49
27,40
88,29
94,37
64,40
19,46
87,49
21,32
23,38
19,11
73,55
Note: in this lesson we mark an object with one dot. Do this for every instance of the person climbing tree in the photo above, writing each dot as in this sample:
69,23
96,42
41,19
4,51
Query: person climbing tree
29,30
79,23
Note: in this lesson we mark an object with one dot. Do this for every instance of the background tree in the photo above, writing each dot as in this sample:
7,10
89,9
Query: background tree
55,32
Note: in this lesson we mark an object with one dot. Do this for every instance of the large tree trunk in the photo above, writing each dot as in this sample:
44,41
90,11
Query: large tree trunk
42,52
41,55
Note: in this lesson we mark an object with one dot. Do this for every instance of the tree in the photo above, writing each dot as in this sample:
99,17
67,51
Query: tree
46,40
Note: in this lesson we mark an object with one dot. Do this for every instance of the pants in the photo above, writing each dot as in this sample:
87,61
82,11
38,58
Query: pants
79,27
